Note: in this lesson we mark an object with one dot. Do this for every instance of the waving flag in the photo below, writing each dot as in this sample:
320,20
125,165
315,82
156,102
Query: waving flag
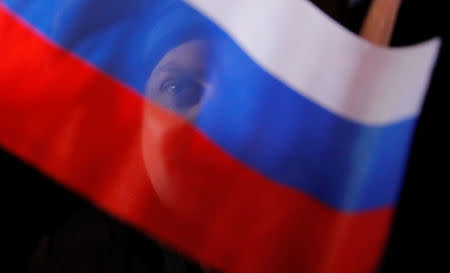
252,136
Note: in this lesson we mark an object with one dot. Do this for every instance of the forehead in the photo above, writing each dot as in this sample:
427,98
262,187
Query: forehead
189,55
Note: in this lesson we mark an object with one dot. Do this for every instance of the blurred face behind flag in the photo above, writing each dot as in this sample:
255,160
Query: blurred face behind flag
181,50
176,89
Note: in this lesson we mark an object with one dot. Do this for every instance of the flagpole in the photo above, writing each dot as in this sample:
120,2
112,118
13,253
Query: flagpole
380,21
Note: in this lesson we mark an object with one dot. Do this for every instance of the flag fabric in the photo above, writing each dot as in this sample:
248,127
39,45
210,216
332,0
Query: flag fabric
290,159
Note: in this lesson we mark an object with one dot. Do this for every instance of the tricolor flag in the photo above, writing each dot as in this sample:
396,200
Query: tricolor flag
250,136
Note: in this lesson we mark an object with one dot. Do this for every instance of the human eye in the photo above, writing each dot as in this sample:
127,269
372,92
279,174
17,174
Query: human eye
183,92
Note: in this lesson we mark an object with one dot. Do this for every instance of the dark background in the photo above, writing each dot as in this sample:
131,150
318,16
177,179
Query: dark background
417,239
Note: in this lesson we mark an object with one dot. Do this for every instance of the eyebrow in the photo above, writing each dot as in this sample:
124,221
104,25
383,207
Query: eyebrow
174,67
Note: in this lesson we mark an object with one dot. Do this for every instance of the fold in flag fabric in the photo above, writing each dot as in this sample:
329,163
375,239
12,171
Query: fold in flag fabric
252,136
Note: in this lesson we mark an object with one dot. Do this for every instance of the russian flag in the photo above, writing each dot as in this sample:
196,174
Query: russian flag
251,136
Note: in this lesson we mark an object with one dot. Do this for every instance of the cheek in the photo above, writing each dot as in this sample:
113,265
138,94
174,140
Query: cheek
167,151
